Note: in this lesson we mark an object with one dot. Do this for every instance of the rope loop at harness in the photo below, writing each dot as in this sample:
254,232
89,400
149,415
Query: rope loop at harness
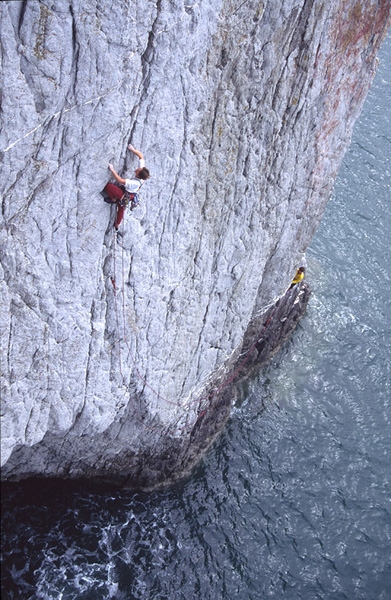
130,198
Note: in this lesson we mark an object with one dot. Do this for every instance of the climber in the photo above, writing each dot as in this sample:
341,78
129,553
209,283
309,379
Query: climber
298,277
123,193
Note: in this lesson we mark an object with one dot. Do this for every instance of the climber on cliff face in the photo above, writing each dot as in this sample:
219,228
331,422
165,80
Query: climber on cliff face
298,277
127,189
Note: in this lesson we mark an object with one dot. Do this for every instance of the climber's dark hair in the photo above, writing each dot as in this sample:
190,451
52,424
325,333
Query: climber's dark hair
143,173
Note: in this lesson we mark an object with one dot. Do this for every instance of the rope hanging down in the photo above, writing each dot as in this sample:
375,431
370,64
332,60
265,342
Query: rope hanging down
199,400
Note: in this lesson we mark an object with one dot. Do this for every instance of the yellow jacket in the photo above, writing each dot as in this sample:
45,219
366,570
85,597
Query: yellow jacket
298,277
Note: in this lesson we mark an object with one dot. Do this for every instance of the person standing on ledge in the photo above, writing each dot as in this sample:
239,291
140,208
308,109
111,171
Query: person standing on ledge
120,194
298,277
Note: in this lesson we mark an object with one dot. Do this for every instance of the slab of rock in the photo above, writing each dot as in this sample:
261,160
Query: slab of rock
243,111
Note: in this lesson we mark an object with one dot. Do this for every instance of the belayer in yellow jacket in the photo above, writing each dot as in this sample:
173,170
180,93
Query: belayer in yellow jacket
298,277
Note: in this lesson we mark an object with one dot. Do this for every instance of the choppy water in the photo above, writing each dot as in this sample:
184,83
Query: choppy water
293,501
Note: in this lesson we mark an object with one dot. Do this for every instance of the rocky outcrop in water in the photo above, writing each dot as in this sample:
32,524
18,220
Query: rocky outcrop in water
111,351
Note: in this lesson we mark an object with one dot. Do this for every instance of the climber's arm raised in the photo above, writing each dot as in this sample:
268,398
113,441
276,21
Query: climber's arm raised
136,152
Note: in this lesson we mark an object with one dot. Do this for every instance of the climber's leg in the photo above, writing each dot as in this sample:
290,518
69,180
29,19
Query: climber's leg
120,215
114,191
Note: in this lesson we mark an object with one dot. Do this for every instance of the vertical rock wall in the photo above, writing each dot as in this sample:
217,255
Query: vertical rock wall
243,111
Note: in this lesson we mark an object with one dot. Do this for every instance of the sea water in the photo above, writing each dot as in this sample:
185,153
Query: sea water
293,501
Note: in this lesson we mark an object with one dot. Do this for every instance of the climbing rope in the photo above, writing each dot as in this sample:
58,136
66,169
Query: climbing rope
113,281
125,339
199,400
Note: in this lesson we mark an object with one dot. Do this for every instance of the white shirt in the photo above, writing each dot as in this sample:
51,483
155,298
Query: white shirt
133,185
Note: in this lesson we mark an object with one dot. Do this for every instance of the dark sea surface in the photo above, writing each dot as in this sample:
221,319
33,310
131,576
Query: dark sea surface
294,500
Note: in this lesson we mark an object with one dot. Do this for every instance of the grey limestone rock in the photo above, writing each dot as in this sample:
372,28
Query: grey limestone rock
243,110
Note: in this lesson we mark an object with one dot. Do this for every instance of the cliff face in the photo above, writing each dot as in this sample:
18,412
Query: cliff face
243,111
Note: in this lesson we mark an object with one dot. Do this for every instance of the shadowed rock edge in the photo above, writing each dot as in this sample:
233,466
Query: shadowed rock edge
172,459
